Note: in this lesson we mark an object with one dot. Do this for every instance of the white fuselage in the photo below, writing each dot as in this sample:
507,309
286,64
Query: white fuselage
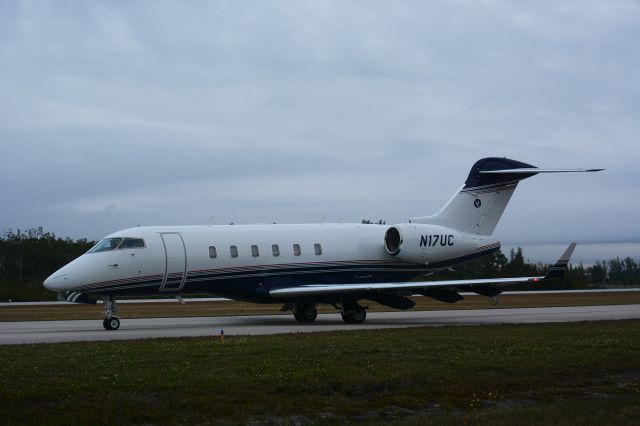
246,261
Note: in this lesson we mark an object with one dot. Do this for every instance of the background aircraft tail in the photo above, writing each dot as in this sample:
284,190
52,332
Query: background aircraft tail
479,204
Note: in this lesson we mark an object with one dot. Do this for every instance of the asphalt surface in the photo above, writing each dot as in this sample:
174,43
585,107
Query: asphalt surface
91,330
222,299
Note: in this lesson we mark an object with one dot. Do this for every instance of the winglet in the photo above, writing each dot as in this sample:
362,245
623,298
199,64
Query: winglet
561,265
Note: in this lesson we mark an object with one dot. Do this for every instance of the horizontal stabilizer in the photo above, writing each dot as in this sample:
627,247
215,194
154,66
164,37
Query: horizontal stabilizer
531,170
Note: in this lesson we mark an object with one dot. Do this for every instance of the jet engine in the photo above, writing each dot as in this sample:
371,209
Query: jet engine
421,243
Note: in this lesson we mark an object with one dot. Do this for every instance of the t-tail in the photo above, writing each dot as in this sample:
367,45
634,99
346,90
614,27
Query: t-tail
478,206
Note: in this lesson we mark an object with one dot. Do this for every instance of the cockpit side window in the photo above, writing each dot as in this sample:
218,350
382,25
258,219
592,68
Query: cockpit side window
131,243
107,244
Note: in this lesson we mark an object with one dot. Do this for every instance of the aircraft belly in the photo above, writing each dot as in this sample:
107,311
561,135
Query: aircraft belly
256,289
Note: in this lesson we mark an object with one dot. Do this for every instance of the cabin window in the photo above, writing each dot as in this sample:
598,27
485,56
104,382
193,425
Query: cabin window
254,251
213,253
275,250
317,248
234,251
296,250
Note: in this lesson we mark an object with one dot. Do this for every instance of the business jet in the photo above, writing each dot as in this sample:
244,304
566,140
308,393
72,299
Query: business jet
302,266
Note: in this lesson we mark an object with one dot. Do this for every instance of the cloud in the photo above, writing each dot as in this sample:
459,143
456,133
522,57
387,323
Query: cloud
117,114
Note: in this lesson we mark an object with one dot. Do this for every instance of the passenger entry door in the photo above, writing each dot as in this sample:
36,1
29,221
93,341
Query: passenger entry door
175,273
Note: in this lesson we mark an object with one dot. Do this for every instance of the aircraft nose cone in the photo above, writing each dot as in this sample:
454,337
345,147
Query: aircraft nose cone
55,283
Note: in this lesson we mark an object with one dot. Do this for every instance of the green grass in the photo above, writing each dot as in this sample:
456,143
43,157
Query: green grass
575,373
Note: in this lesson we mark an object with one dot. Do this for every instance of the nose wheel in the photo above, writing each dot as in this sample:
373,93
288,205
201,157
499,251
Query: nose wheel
111,321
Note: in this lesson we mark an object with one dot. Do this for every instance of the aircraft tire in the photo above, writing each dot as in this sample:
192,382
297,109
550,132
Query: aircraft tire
355,316
111,323
305,313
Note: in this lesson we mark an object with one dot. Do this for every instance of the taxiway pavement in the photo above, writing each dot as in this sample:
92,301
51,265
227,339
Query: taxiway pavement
29,332
222,299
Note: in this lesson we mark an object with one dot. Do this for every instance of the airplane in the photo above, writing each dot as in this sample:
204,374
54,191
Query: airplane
303,265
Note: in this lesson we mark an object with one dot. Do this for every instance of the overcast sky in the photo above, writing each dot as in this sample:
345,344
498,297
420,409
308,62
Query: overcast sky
119,113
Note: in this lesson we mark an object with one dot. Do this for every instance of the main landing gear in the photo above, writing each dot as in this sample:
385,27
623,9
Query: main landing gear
351,312
111,321
305,312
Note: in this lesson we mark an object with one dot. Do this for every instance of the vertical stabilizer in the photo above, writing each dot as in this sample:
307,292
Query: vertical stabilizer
479,204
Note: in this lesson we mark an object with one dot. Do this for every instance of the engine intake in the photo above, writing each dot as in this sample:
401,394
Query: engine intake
392,241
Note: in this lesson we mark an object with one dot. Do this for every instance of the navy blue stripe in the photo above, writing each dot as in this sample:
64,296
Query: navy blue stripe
462,259
299,273
117,287
295,270
107,284
491,188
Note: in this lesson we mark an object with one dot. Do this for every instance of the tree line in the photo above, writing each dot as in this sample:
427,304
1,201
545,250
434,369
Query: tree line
603,273
34,254
28,257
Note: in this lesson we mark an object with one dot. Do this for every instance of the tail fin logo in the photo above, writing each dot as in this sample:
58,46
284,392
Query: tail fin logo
477,203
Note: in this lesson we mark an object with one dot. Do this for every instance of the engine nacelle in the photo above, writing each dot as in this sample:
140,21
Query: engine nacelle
419,243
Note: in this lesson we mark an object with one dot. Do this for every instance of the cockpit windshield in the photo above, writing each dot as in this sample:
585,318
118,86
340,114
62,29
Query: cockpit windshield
129,243
109,244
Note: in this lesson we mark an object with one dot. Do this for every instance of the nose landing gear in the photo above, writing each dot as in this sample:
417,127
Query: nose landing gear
111,322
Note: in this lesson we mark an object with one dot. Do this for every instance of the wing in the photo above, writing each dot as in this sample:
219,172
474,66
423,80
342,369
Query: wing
556,271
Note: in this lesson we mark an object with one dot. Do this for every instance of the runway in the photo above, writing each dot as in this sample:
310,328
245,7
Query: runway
222,299
91,330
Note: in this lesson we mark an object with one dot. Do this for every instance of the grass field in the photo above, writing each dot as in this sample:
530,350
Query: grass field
570,373
155,310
